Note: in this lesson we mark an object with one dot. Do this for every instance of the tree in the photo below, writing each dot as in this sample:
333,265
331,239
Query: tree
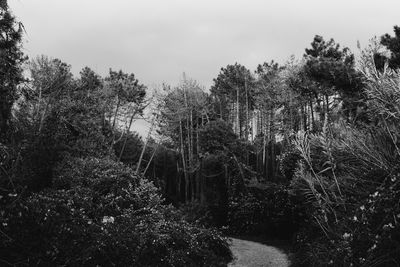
393,44
183,111
267,102
303,101
11,59
89,82
51,81
217,137
233,91
126,100
333,70
62,117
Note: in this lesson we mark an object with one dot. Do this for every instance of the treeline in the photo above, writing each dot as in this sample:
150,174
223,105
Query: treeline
240,131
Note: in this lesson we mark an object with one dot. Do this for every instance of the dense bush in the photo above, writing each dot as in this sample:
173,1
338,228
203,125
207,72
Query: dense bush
288,163
197,213
129,148
271,213
268,212
101,214
352,212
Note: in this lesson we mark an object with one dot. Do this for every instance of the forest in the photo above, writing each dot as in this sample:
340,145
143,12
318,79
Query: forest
306,152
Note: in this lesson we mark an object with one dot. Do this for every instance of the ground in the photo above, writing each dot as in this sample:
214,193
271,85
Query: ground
253,254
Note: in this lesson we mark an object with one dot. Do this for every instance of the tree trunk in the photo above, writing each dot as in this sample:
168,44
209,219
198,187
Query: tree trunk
144,148
264,133
326,119
126,135
220,110
272,138
202,184
151,158
198,174
312,116
184,161
247,111
179,178
267,158
239,131
227,179
301,118
292,126
113,126
116,113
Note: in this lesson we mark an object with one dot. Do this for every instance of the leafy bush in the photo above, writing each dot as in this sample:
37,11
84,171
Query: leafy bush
100,213
197,213
352,208
272,213
288,163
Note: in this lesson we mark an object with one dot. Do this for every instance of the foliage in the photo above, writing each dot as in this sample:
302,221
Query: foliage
269,86
124,101
393,44
233,95
125,87
233,80
216,137
11,59
288,163
333,69
271,212
184,106
197,213
348,179
51,78
130,149
102,214
125,96
56,116
182,113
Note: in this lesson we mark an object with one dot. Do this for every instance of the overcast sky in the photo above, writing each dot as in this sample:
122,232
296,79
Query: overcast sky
157,40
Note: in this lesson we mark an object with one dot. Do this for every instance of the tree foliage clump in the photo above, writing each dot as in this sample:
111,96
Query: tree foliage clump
393,44
56,115
332,68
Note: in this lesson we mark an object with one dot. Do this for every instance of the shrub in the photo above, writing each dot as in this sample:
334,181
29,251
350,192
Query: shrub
288,163
272,212
351,190
100,213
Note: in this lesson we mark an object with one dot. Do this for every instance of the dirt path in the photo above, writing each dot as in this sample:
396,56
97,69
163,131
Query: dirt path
252,254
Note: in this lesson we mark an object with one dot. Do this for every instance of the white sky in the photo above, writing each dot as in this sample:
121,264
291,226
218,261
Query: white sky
158,40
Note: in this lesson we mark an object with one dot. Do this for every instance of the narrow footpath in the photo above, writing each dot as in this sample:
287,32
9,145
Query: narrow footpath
252,254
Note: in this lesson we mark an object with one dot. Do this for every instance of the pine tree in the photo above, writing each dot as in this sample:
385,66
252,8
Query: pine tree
11,59
393,44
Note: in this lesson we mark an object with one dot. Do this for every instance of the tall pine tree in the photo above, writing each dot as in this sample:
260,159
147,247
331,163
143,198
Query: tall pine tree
11,59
